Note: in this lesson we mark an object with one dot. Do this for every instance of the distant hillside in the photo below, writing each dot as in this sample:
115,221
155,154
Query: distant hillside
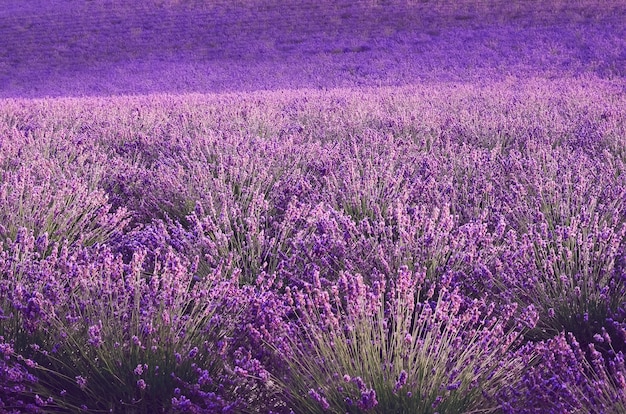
62,47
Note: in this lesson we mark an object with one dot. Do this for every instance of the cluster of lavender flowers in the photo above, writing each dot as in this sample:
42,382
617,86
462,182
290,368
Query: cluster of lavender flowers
436,248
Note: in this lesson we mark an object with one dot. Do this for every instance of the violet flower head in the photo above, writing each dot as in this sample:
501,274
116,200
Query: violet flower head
139,369
368,400
95,335
359,383
400,382
319,398
81,382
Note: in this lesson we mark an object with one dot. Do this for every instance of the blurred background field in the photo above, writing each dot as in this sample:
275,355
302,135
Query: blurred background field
75,48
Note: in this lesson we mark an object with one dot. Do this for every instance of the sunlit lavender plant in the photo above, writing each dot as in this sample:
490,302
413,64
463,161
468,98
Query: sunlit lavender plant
568,272
399,346
564,376
561,236
56,207
144,336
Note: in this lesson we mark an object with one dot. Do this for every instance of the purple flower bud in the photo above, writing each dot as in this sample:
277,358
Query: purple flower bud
95,338
400,382
42,242
81,382
368,400
454,386
39,401
319,398
437,402
359,383
577,291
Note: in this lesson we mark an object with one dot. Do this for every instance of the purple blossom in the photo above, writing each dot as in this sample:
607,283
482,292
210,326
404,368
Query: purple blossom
139,369
141,384
193,352
360,384
400,382
368,400
319,399
95,332
81,382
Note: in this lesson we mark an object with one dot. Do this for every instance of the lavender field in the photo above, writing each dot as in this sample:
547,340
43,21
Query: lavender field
383,207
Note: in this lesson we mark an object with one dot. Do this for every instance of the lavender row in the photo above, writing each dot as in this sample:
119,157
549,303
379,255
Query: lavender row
435,248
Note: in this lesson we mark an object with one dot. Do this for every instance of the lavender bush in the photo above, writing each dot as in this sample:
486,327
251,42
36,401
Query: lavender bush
569,378
401,347
144,337
52,200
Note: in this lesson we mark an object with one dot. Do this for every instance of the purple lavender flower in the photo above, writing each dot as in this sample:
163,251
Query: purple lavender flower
95,332
368,400
400,382
319,398
81,382
139,369
141,384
